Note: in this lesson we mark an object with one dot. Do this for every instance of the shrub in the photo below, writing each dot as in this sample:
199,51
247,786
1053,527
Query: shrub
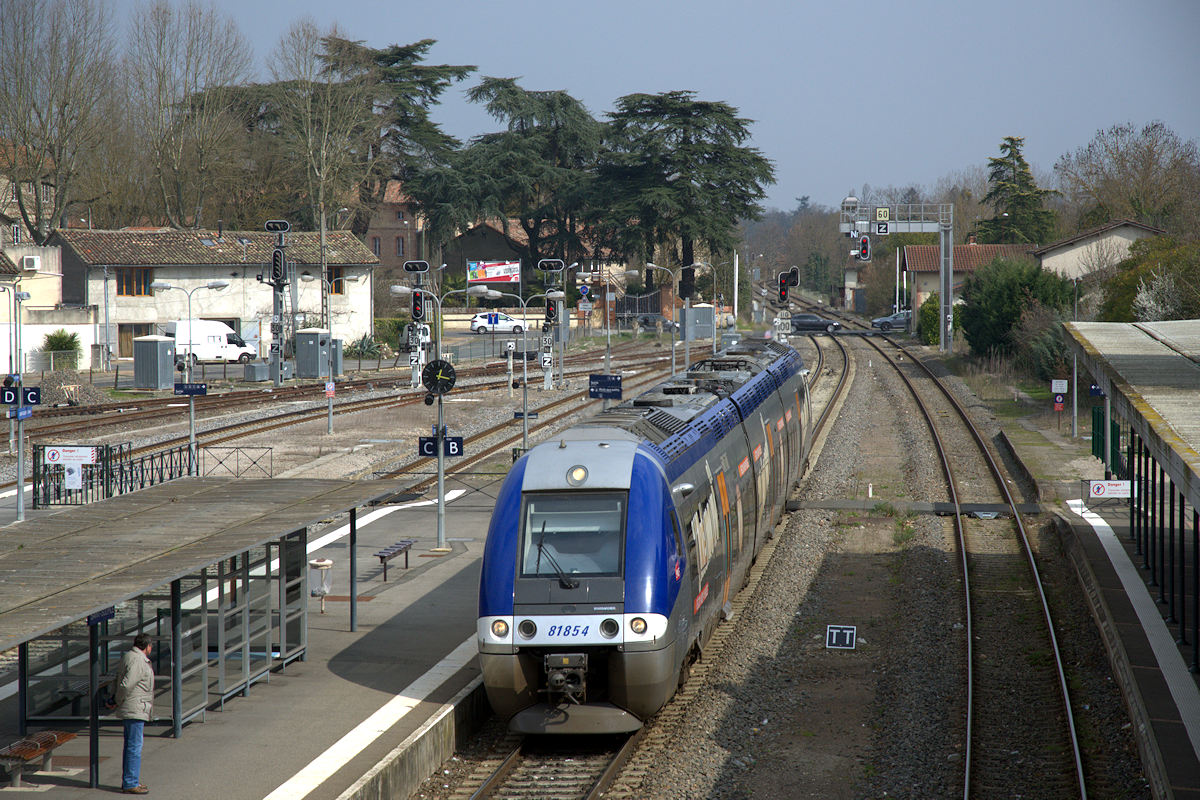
363,347
59,343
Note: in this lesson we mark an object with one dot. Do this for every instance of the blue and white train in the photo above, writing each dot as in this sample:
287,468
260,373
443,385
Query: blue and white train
615,548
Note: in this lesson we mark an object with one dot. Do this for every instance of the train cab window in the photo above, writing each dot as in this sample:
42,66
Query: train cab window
578,534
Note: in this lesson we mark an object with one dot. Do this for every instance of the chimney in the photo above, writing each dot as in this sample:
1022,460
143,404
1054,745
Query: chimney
971,239
220,228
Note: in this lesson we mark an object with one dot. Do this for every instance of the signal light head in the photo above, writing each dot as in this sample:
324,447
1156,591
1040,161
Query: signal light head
784,281
418,306
864,248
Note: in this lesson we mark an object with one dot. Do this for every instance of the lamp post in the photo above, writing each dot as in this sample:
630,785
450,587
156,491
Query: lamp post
474,291
633,273
18,298
587,276
327,290
216,286
713,270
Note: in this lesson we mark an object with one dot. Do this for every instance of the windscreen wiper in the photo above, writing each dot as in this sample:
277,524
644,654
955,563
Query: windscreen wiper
565,580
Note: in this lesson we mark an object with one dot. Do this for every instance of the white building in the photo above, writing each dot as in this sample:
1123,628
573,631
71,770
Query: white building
113,271
1094,250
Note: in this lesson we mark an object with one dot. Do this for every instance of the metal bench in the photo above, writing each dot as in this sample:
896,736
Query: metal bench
391,551
20,754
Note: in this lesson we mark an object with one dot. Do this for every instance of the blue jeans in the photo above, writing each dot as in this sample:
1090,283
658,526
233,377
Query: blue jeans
131,758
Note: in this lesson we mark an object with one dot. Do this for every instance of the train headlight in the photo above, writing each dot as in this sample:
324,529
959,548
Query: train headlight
577,475
527,628
609,628
637,625
499,628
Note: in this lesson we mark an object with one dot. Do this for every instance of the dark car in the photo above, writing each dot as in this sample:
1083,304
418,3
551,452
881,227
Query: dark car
650,322
901,320
811,322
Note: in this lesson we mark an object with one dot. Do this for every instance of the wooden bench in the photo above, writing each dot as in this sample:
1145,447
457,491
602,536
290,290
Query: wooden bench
19,755
391,551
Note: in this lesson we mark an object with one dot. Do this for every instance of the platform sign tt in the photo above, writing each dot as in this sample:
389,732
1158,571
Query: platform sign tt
840,637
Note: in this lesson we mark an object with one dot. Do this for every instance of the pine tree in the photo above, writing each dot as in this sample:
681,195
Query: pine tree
1020,214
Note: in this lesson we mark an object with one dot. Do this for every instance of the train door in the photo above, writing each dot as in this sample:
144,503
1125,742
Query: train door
704,531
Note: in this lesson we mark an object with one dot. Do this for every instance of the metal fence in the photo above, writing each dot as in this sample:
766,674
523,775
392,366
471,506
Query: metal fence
66,475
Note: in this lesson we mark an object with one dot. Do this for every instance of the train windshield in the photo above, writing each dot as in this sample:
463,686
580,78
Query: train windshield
576,534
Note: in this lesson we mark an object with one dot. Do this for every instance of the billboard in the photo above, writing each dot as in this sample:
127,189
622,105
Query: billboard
493,271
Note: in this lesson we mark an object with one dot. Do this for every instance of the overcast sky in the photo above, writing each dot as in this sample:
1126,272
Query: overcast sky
840,94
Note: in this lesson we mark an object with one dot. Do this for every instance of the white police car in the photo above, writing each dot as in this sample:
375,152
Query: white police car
495,322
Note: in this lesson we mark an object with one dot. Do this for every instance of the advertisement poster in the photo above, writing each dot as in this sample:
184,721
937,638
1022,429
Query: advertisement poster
493,271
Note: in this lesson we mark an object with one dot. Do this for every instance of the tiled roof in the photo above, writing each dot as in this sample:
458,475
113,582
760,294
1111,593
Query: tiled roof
393,192
170,247
7,266
1113,225
967,257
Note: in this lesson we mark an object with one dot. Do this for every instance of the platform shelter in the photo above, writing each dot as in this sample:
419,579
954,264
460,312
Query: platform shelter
1149,374
214,569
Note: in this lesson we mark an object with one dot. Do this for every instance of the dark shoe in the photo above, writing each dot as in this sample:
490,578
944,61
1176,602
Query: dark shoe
140,789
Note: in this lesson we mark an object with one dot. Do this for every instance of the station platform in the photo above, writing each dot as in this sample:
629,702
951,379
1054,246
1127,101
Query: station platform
319,725
1162,692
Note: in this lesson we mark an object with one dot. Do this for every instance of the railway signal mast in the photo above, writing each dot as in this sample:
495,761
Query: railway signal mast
278,280
860,221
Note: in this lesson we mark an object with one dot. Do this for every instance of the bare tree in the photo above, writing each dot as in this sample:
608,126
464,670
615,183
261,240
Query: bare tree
1100,257
325,113
53,75
1149,174
183,59
327,121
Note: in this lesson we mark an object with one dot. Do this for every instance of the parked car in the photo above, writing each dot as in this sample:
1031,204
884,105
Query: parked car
495,322
650,322
811,322
901,319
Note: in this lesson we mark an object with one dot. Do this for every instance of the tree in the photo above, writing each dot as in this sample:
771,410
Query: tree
1154,265
182,63
1147,174
677,170
55,71
325,115
995,295
1018,202
537,171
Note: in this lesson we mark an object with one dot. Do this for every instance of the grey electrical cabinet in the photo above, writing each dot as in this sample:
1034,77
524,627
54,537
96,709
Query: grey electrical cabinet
337,356
697,322
154,362
312,353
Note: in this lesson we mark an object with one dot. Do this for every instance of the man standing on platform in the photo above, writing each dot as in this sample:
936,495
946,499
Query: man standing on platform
134,699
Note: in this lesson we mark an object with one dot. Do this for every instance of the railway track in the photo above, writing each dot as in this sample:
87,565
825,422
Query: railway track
234,431
546,768
512,771
148,409
1020,732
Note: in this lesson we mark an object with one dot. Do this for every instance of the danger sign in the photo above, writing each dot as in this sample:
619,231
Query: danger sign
1105,490
73,455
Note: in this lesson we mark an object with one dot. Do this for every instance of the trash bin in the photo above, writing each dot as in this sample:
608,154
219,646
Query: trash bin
320,579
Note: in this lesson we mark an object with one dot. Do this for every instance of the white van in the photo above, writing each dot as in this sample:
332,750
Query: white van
209,340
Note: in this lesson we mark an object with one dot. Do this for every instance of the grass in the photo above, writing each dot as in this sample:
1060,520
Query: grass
883,509
905,529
